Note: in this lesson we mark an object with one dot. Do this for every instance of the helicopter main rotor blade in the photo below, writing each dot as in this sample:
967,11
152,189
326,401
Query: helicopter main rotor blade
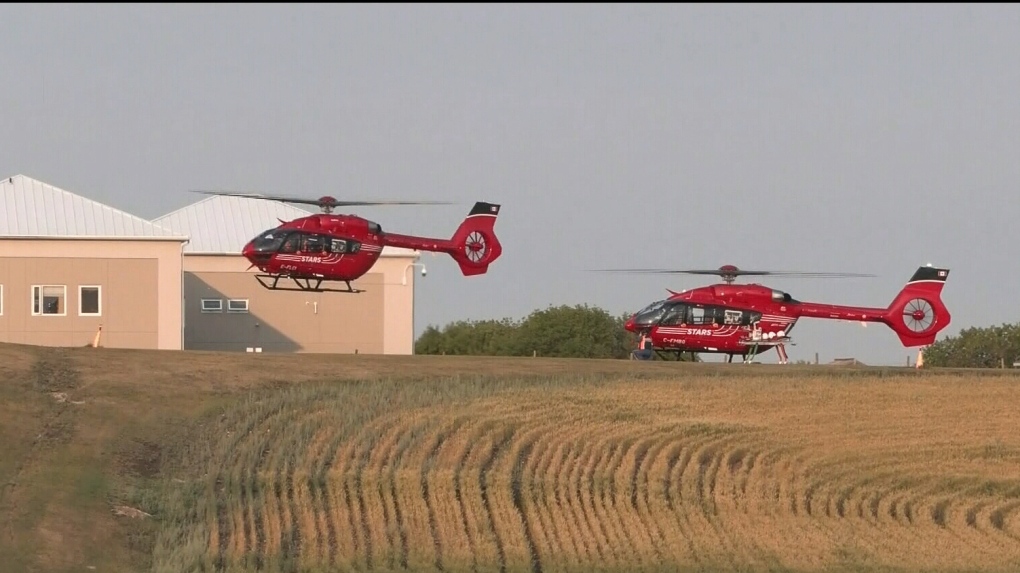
320,202
736,272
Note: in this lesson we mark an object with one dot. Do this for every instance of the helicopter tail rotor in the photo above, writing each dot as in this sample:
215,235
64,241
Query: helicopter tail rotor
476,245
917,314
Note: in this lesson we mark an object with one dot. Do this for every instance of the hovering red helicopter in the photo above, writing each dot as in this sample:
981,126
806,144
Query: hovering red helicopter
341,248
741,319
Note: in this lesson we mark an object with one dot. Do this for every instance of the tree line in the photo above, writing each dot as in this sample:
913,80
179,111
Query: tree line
579,331
975,347
583,331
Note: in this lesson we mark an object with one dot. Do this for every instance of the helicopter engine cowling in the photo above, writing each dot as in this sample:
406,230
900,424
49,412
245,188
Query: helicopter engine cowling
780,296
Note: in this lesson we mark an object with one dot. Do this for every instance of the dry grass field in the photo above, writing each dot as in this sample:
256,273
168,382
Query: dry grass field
178,462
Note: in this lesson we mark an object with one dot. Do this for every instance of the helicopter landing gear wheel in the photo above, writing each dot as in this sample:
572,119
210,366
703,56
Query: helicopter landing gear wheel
918,315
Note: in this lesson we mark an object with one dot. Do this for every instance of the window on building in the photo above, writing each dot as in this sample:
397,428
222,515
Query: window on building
237,305
49,300
212,305
89,301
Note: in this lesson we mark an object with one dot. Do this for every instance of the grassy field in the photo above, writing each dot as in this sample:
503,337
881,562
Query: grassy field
119,460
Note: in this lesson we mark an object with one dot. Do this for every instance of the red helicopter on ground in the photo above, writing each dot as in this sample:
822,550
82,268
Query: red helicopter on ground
742,319
330,247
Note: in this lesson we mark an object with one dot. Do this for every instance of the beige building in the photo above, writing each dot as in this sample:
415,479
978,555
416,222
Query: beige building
225,307
70,266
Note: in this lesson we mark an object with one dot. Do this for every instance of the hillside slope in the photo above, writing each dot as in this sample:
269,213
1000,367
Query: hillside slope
188,461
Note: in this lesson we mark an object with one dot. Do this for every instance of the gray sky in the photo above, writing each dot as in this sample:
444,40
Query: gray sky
821,138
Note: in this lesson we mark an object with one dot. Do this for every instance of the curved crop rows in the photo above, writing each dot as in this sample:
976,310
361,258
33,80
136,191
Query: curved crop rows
614,478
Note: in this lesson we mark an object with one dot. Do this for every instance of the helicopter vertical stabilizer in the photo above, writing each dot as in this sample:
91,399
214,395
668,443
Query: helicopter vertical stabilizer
917,314
476,245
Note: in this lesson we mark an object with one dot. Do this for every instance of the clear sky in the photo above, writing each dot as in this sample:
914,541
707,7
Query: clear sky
867,139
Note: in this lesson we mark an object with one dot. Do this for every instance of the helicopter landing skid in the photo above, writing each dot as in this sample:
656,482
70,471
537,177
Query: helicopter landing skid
673,355
310,284
757,346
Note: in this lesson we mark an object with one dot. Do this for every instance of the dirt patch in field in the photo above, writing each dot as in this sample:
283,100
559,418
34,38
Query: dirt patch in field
140,458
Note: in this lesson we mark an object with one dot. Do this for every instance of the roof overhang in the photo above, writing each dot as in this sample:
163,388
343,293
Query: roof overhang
91,238
400,252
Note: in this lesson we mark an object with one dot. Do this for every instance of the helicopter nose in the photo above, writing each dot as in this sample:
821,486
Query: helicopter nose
629,325
249,252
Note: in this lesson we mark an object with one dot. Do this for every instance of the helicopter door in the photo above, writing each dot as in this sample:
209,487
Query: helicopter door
702,315
733,317
312,244
341,246
337,246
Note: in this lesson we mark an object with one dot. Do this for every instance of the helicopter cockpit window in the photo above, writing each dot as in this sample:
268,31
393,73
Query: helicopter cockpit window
650,314
654,306
270,241
291,244
674,315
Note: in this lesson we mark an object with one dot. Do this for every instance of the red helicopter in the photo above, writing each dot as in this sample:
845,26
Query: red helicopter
331,247
742,319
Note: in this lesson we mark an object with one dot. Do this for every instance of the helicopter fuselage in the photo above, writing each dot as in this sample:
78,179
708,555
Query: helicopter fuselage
335,247
741,319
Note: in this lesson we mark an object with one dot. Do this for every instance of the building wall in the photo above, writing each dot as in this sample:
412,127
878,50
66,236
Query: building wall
398,314
378,321
139,292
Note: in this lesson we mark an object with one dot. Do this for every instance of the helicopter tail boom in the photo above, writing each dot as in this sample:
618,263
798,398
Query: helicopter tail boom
917,314
473,245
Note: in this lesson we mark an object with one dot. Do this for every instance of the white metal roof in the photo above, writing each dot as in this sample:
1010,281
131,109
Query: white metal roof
33,209
223,225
